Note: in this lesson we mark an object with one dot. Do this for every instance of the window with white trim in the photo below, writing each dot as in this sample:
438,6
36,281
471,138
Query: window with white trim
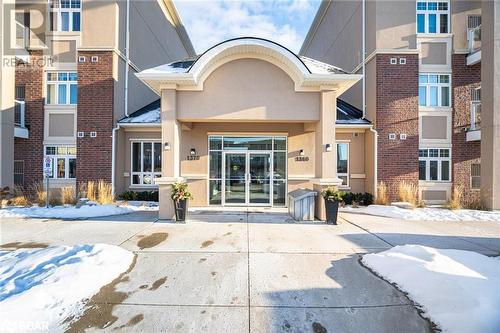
434,90
65,15
146,162
433,17
62,88
343,162
475,176
63,161
434,164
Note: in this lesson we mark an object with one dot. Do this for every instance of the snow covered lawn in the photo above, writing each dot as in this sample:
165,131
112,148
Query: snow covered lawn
71,212
427,214
458,290
39,288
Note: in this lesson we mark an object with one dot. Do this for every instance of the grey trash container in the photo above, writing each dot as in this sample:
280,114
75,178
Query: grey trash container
301,204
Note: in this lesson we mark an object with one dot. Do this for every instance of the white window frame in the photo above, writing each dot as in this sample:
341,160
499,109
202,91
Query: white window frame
426,12
439,85
57,156
348,163
142,173
57,12
57,83
439,161
473,176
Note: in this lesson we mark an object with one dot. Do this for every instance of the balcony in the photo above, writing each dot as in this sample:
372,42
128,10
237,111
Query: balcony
474,45
20,130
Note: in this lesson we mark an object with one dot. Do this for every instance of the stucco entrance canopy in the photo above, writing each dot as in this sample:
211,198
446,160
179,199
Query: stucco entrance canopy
307,74
247,89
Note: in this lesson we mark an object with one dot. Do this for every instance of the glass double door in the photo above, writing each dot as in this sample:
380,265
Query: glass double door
247,178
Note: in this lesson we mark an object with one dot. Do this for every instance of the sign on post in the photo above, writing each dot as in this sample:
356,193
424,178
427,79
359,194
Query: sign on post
47,170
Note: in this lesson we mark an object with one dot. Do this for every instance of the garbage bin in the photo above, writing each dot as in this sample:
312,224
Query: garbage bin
301,204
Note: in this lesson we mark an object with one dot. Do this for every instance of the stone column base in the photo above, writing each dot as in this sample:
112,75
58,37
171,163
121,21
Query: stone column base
321,184
166,204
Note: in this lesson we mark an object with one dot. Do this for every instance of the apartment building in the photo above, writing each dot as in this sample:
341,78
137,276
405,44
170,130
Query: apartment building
427,79
74,78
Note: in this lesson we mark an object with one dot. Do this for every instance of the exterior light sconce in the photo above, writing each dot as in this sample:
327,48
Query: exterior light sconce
301,152
166,146
328,147
193,151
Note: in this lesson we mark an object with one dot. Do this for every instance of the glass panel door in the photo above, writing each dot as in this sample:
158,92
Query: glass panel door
235,178
259,178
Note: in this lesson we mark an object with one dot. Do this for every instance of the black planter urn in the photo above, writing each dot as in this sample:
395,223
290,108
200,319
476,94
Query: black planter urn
332,209
180,210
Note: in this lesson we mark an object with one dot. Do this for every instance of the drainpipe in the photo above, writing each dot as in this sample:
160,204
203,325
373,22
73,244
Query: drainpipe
127,55
363,51
375,161
113,159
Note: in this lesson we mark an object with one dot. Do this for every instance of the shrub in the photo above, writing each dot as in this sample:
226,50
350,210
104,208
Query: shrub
55,197
180,192
18,196
456,198
475,204
382,194
68,195
139,196
350,198
408,192
104,192
331,194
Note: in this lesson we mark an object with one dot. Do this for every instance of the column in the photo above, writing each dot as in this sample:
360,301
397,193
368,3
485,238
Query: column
325,158
490,99
170,162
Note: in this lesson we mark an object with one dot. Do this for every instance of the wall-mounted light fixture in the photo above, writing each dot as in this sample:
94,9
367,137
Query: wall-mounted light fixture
301,152
328,147
166,146
193,151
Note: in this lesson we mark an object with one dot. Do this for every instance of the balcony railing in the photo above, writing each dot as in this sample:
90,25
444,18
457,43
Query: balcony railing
474,39
19,113
475,116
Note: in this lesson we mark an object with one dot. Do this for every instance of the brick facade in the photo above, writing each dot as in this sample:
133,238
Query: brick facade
30,150
95,114
464,153
397,112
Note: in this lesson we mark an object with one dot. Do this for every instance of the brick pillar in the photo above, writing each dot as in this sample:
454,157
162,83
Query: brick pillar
397,112
464,153
30,150
95,114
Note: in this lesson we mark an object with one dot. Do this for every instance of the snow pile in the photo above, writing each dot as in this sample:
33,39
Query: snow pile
66,212
152,116
429,214
458,290
40,288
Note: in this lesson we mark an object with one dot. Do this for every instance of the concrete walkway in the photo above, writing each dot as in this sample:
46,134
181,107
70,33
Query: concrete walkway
250,272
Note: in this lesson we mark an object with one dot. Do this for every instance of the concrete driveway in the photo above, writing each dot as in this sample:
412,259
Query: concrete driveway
257,272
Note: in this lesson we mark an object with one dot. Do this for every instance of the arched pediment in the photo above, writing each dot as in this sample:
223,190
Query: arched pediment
307,74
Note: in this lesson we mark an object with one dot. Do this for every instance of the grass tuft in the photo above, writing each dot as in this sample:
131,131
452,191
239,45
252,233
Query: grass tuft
382,194
68,195
456,198
104,192
408,192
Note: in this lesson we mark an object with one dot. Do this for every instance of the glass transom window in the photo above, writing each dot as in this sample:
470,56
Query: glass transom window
62,88
434,164
434,90
433,17
63,161
65,15
146,162
247,170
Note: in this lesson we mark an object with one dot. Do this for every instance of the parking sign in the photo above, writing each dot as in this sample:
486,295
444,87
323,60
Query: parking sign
47,166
